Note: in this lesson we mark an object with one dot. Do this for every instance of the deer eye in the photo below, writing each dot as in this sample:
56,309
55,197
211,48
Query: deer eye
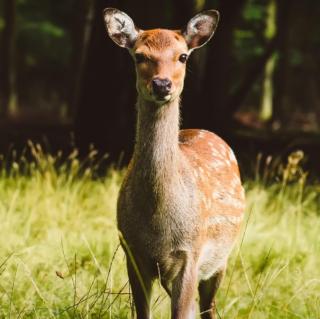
140,58
183,58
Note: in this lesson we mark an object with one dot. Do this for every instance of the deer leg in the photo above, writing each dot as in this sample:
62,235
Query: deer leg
207,291
140,284
183,293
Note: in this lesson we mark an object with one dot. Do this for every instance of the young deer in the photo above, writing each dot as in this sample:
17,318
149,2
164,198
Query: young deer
181,203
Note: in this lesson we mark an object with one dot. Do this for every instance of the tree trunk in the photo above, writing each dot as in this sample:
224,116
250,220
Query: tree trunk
81,34
254,71
218,77
282,71
266,107
9,55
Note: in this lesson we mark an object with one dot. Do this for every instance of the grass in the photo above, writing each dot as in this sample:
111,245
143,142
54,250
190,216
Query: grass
60,255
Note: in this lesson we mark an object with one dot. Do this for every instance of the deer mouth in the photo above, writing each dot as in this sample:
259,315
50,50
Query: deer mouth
163,98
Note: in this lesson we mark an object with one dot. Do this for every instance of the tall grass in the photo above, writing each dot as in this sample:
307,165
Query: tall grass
60,255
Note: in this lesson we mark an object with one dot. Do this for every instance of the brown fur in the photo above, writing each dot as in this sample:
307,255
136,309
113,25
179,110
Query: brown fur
181,203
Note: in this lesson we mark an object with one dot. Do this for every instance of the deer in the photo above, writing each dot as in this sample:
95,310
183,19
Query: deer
181,203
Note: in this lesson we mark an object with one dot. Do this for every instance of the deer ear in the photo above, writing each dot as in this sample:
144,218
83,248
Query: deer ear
200,28
120,27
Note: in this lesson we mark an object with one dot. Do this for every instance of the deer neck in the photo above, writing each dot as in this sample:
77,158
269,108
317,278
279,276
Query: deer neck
157,139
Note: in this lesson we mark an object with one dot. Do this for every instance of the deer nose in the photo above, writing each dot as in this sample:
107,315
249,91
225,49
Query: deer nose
161,87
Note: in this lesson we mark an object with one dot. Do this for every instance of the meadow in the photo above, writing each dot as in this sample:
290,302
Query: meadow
60,254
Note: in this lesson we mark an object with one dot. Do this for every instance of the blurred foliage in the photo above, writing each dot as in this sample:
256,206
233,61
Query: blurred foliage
43,34
43,48
49,35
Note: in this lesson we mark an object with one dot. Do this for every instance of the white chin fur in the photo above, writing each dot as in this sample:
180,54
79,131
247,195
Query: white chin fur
163,100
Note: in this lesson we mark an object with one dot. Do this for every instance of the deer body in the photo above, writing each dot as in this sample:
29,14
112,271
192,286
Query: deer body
181,203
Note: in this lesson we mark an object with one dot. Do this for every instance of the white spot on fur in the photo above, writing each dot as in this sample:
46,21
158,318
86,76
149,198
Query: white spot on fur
228,199
217,164
234,184
228,163
225,219
232,156
201,134
216,153
225,151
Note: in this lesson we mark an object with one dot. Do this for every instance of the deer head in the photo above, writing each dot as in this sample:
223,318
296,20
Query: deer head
160,55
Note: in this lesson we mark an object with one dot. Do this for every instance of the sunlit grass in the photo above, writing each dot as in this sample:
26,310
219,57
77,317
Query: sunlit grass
60,255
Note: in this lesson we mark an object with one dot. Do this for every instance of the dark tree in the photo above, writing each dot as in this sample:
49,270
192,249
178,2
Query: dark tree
81,34
218,77
284,19
8,65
